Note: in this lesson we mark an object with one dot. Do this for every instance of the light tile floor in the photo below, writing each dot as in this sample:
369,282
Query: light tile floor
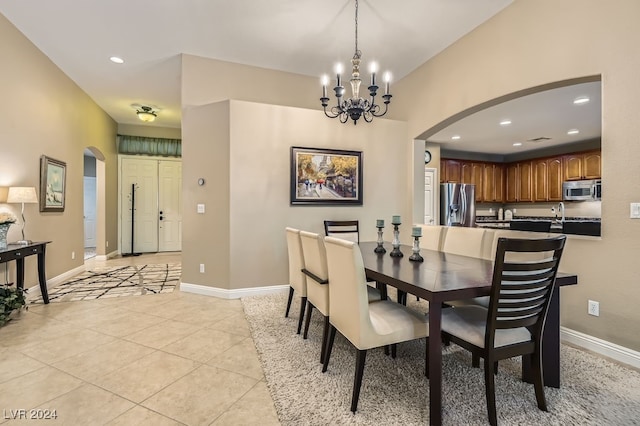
166,359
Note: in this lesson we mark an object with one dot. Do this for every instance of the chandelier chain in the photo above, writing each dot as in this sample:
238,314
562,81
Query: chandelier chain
356,26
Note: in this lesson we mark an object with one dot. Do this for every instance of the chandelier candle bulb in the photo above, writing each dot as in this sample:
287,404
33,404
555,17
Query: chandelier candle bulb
416,231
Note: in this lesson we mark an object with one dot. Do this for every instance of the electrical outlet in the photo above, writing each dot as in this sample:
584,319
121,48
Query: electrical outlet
593,308
73,255
107,243
202,268
635,211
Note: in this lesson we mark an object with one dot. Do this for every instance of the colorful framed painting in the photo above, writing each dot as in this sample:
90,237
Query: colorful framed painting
325,176
52,184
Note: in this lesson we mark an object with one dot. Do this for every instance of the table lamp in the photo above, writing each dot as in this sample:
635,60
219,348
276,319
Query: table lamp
22,194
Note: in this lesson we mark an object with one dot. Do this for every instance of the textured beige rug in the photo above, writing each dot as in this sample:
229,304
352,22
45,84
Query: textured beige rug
394,392
117,281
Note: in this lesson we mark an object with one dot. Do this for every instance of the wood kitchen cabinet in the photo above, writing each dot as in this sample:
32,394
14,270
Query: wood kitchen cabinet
525,181
540,179
548,176
493,182
582,165
556,177
472,172
450,170
511,186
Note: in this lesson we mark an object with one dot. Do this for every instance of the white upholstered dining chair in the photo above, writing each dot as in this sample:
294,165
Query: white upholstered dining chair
464,241
317,277
365,325
297,281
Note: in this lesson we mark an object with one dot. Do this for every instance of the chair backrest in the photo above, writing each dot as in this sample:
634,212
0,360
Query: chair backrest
348,299
431,237
507,233
315,262
346,229
296,262
521,290
464,241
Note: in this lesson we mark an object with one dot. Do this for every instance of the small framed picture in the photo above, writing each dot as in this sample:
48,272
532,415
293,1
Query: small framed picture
325,176
52,184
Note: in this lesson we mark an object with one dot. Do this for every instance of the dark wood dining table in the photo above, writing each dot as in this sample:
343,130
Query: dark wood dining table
443,277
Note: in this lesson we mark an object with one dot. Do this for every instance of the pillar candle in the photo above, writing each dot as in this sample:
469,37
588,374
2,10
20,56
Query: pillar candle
395,220
380,223
416,231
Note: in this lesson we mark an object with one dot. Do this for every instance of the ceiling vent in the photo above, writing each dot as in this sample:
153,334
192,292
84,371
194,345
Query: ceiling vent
539,139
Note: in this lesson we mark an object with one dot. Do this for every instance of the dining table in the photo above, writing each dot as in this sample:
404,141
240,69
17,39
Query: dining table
443,277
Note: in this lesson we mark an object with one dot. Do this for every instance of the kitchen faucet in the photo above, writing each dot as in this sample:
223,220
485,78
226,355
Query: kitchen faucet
561,208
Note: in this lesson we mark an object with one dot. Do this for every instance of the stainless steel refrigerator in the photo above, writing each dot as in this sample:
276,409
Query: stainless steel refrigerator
457,204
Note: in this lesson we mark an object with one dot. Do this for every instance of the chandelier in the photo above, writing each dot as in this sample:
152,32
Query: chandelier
355,107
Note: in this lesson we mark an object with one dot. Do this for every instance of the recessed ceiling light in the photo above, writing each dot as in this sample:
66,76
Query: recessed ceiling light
517,144
116,60
581,100
455,137
573,132
505,122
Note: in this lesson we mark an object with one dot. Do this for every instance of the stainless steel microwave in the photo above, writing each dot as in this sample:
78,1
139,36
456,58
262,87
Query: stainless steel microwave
582,190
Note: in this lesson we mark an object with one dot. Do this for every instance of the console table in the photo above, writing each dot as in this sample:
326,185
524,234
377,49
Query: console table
18,252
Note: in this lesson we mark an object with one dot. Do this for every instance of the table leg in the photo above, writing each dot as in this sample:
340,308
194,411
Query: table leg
42,278
550,346
20,273
435,364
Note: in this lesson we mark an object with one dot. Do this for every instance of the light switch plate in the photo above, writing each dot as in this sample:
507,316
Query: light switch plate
635,211
200,208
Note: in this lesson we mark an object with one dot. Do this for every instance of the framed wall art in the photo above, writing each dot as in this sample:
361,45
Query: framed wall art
52,184
325,176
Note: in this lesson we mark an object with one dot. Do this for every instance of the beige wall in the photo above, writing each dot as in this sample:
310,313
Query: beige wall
537,42
43,112
247,231
148,131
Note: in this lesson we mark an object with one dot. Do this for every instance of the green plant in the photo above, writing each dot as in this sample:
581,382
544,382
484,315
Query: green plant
11,298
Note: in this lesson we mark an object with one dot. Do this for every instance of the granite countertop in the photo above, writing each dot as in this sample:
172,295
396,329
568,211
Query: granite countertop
572,225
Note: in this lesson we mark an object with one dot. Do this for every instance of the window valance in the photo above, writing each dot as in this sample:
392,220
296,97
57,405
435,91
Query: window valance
140,145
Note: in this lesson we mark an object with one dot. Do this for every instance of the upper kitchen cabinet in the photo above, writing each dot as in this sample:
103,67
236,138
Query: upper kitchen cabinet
582,165
471,172
519,186
493,183
548,175
450,171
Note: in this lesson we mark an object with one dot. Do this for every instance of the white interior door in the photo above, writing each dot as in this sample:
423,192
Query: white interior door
142,174
170,205
429,196
90,202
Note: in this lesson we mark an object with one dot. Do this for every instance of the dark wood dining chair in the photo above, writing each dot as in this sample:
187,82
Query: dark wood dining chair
513,323
345,229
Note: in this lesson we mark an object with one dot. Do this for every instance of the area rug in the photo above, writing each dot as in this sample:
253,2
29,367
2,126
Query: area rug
593,391
104,282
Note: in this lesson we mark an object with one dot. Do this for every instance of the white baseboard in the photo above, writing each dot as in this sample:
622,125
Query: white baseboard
223,293
108,255
53,282
602,347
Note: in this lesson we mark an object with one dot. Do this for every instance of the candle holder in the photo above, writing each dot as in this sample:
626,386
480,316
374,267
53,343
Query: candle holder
416,250
380,248
396,242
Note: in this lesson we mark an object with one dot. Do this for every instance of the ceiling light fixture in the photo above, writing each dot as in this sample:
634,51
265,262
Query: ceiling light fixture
146,114
505,122
573,132
355,107
455,137
517,144
581,100
116,60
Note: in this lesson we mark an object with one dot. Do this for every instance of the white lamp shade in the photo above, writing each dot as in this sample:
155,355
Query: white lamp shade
22,194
